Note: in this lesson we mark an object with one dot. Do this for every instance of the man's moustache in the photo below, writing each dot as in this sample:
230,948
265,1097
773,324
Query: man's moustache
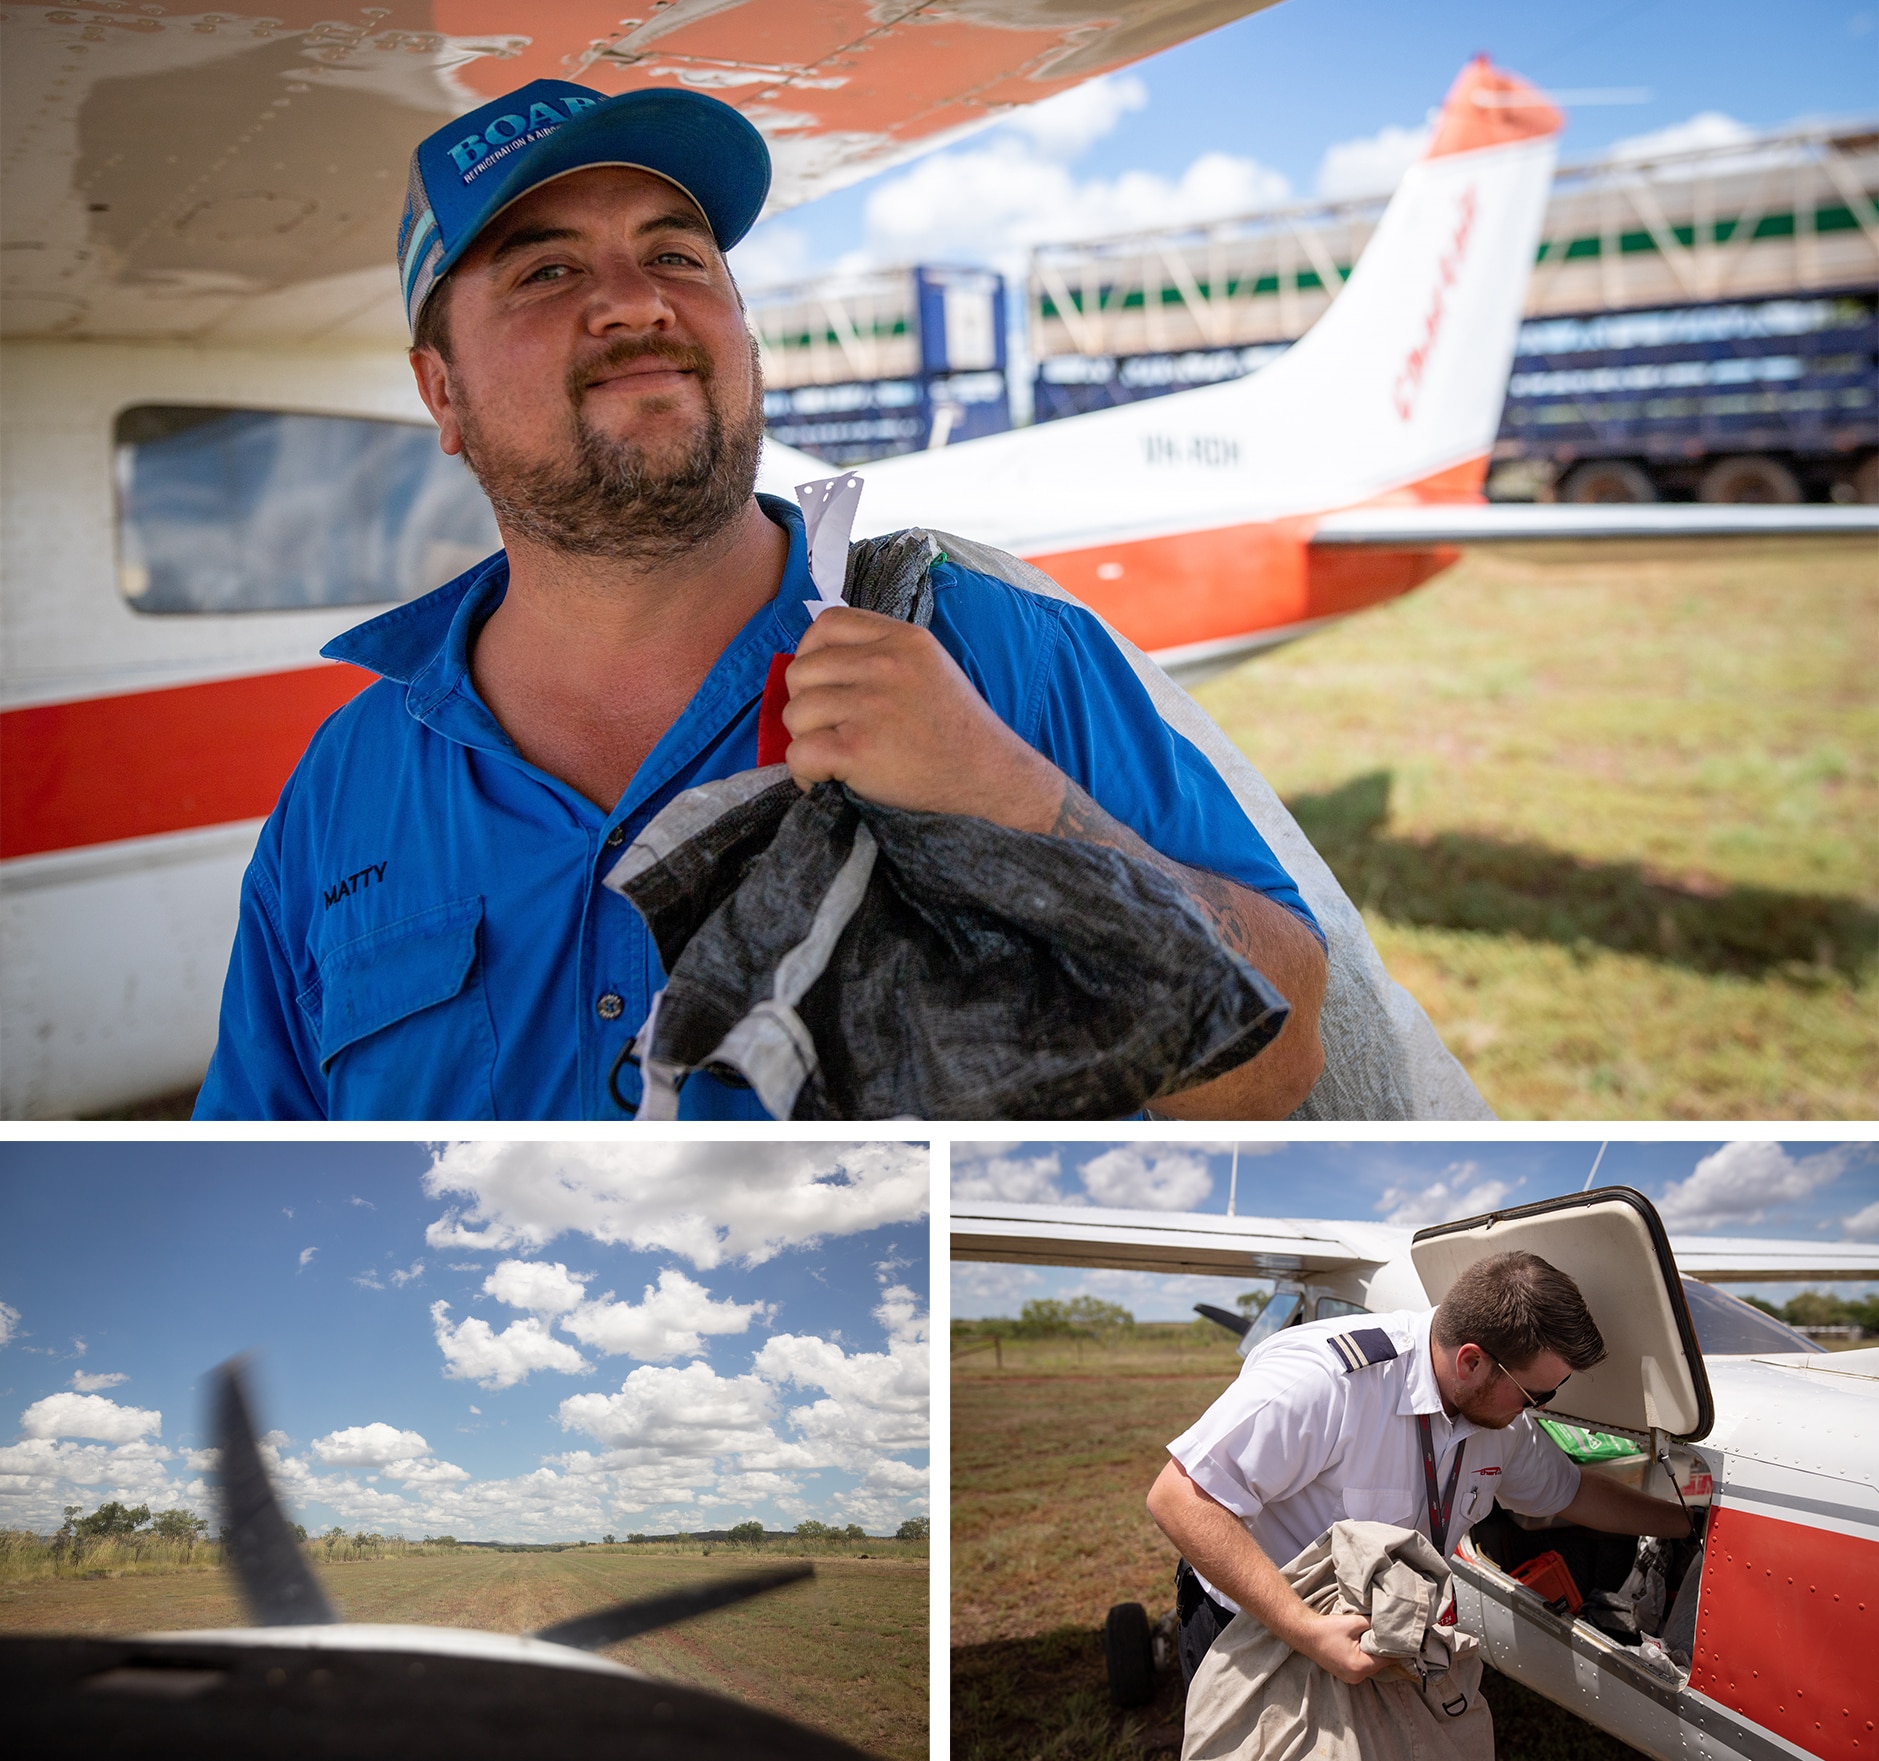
637,348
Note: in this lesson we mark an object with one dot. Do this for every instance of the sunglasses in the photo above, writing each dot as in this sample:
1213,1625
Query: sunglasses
1531,1399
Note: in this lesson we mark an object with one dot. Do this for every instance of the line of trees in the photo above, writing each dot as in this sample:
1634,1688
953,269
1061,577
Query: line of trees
115,1522
1820,1308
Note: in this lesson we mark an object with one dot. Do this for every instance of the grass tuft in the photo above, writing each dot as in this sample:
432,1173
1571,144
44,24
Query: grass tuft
1612,818
1051,1461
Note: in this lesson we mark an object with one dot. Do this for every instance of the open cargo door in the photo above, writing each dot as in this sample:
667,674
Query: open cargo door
1611,1243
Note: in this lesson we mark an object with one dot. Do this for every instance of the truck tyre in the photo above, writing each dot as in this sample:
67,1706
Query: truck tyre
1129,1652
1751,478
1607,480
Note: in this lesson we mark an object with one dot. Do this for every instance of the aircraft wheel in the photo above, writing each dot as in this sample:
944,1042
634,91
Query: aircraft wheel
1749,479
1606,480
1130,1654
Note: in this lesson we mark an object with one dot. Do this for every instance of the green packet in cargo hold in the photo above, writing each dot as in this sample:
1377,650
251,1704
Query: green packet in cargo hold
1583,1445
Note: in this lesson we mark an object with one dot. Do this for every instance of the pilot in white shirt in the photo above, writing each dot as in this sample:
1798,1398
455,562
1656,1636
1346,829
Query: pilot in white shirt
1316,1430
1417,1420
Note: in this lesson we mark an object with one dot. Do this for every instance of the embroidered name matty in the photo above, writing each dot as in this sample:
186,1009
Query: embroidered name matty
372,875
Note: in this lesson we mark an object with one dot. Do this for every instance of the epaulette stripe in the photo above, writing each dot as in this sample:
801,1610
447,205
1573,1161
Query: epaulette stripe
1369,1345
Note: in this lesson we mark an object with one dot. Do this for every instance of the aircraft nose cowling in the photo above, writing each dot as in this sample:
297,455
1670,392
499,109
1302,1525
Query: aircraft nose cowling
370,1695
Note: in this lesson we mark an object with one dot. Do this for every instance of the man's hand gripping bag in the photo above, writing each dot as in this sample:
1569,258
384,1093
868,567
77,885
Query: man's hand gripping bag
855,961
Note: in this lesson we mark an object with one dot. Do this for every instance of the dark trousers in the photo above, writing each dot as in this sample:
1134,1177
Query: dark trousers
1202,1619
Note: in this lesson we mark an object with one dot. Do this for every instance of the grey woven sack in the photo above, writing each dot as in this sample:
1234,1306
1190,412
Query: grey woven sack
853,961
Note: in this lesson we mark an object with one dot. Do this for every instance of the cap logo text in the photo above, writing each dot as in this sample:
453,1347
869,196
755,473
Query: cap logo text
542,117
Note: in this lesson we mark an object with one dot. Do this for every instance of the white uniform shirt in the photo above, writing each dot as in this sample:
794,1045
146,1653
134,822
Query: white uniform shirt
1302,1440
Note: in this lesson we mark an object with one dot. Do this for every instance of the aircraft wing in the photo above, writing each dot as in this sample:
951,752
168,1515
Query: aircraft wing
1722,1259
1298,1247
1168,1241
203,176
1393,528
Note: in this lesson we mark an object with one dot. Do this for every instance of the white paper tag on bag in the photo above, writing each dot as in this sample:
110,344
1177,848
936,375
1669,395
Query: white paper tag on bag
828,514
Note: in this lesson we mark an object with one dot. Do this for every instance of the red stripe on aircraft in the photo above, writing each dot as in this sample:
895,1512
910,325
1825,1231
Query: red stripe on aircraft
1192,587
99,769
133,766
1786,1631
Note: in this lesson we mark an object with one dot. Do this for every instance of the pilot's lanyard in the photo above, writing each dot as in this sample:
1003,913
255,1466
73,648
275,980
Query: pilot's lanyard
1443,1503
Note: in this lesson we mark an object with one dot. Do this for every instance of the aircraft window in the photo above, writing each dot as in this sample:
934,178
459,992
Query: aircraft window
224,510
1278,1314
1726,1326
1329,1306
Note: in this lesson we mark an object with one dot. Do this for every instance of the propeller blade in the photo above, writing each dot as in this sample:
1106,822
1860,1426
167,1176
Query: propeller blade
646,1614
275,1577
1238,1325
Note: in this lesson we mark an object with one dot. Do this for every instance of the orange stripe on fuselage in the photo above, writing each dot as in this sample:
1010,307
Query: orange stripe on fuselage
1240,580
1234,581
99,769
133,766
1786,1630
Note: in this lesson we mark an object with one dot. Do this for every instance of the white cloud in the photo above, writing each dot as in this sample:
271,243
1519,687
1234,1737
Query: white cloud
992,204
1067,125
426,1473
1148,1177
982,1289
1371,165
1741,1182
1706,130
307,1253
691,1438
691,1413
474,1351
772,255
541,1289
40,1475
1459,1193
104,1379
368,1446
9,1323
1862,1225
410,1274
990,1171
876,1400
89,1415
704,1202
670,1320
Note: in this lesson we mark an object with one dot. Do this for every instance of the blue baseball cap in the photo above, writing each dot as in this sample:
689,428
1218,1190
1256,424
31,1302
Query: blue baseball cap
465,174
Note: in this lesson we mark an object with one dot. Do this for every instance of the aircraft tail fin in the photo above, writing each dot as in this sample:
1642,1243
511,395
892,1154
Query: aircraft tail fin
279,1585
1403,379
1488,107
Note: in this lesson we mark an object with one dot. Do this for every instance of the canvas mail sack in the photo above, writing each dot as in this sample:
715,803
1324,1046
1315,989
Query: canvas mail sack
853,961
1256,1699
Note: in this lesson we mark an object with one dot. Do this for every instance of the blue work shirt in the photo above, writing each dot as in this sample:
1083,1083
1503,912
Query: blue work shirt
424,933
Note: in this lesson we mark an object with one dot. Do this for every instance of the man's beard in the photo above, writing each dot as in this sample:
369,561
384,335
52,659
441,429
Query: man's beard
1482,1409
605,499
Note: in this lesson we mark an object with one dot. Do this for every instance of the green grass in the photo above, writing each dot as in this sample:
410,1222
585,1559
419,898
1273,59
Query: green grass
1051,1461
1613,819
847,1652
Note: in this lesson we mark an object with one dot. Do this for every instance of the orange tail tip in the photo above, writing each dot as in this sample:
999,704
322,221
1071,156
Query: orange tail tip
1488,108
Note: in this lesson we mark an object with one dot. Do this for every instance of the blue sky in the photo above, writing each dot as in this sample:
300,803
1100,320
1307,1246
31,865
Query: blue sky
1813,1191
524,1341
1301,99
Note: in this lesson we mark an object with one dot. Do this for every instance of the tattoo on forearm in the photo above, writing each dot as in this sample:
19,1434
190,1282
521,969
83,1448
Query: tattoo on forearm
1223,902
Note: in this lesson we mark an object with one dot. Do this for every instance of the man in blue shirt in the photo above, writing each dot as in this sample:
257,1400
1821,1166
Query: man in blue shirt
423,929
